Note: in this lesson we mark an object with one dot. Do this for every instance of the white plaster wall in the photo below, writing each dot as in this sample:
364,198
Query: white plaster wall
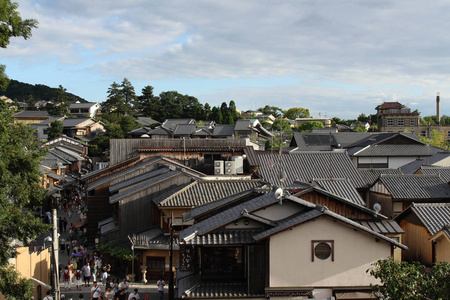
278,212
397,162
354,252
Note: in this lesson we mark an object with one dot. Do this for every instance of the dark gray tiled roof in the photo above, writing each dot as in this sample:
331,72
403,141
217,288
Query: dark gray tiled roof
49,120
342,188
433,215
374,138
143,185
172,123
137,179
220,290
201,192
160,131
443,172
184,129
105,179
417,187
223,130
73,122
59,158
320,211
202,132
398,150
82,105
226,237
212,206
306,166
146,121
243,125
413,166
31,113
67,154
371,175
383,227
55,176
225,217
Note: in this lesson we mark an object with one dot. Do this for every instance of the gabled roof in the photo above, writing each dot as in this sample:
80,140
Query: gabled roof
144,185
370,175
415,187
223,218
306,166
138,179
397,150
413,166
223,130
83,105
75,122
184,129
196,233
434,216
202,131
146,121
387,105
443,172
318,212
65,140
31,114
342,188
243,125
49,120
202,192
160,131
67,154
172,123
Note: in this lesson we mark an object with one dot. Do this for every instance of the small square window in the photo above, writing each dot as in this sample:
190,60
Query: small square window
423,133
400,122
412,122
322,250
389,122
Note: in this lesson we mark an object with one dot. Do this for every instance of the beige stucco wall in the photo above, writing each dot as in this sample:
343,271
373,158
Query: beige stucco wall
34,264
442,249
354,252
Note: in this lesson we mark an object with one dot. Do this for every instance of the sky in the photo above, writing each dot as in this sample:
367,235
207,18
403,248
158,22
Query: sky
335,58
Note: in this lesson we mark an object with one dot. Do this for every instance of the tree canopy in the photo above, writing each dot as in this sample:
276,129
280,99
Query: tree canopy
55,130
296,112
20,180
308,126
408,281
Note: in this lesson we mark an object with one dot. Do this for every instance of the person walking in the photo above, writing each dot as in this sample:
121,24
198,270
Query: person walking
96,292
66,278
160,283
134,295
123,289
86,273
77,278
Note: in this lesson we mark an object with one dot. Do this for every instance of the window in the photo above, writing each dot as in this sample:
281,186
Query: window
322,250
389,122
412,122
423,133
400,122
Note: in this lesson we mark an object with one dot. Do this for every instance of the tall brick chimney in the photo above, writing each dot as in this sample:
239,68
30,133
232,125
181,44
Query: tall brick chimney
438,109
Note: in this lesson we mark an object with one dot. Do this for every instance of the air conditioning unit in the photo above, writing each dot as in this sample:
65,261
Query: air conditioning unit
218,167
230,167
239,164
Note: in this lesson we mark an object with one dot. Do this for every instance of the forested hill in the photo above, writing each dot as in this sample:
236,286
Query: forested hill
22,91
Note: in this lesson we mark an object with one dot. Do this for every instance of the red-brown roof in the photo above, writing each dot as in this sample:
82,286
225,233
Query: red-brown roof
387,105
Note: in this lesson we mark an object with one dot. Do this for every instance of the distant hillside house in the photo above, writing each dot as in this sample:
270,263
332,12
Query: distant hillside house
325,121
84,109
30,116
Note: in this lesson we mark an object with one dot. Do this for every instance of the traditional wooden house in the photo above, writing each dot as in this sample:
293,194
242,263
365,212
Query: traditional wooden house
395,193
30,116
427,234
260,247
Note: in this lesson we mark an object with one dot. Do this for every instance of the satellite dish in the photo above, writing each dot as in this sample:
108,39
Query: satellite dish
279,193
377,207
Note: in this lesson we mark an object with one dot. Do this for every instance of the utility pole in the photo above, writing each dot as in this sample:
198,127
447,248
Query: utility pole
171,292
55,249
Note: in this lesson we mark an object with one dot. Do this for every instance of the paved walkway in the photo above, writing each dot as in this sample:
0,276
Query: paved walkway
148,289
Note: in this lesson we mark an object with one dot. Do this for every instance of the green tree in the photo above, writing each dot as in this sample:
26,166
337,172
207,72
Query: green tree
271,110
363,118
281,124
428,120
233,112
4,80
227,116
408,281
55,130
60,105
445,120
12,25
308,126
114,102
216,115
128,95
20,156
438,139
207,112
296,112
148,103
